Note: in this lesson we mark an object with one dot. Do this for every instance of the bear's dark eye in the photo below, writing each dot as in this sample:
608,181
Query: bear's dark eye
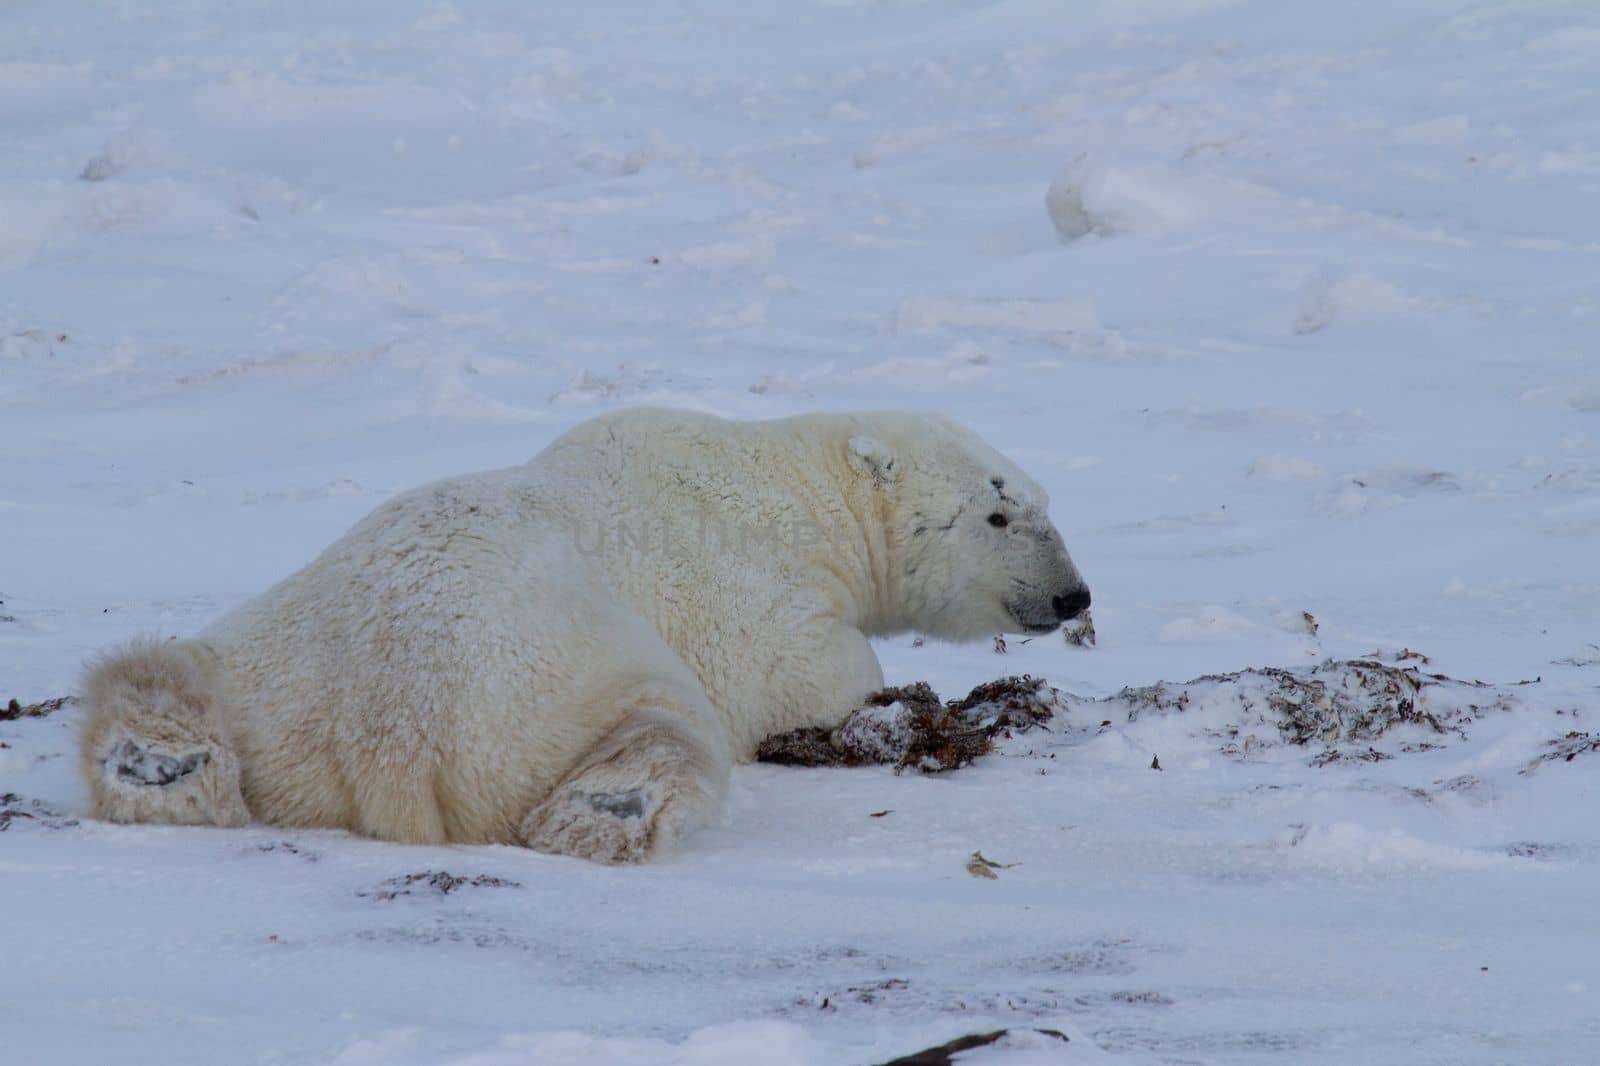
998,520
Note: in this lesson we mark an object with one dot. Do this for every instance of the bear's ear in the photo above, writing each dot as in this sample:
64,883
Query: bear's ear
875,457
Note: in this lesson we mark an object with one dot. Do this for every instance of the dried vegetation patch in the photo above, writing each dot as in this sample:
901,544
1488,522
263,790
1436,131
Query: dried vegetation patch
434,883
1351,711
909,727
20,810
15,709
1565,749
1342,706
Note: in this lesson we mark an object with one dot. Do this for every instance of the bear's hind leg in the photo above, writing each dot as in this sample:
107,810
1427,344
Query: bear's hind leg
156,745
649,781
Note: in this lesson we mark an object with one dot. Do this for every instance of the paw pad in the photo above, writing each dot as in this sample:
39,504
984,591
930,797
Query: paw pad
619,804
134,765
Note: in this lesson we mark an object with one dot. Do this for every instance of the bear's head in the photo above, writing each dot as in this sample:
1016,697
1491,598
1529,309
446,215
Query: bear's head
972,549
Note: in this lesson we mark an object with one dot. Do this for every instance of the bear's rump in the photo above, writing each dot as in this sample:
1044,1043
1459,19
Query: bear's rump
439,696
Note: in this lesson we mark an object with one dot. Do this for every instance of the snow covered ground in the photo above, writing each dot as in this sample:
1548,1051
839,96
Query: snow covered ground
1292,307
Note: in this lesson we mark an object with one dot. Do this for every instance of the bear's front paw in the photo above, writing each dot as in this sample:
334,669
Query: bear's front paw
601,826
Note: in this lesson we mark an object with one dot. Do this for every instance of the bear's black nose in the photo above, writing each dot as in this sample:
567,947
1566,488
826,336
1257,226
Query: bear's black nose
1071,604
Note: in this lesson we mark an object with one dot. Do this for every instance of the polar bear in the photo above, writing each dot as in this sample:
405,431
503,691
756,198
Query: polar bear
569,654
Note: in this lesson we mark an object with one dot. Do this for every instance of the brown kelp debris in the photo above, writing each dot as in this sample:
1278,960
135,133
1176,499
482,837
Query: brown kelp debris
1346,709
15,709
25,811
1079,631
945,1054
435,882
1333,755
909,727
1565,749
978,866
1351,703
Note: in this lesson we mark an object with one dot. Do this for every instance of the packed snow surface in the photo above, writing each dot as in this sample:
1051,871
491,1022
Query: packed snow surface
1292,307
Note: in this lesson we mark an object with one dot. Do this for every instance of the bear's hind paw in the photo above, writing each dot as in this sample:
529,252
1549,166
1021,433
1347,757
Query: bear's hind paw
609,827
131,764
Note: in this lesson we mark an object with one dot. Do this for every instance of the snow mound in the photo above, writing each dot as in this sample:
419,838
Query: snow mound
1086,198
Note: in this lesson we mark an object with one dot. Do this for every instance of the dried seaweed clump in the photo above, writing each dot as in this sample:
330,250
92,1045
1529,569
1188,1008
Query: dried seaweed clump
437,882
30,811
1350,702
1565,749
1079,631
945,1054
15,709
910,727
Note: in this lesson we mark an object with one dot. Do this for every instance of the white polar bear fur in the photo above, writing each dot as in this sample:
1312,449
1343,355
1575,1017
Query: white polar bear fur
569,654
